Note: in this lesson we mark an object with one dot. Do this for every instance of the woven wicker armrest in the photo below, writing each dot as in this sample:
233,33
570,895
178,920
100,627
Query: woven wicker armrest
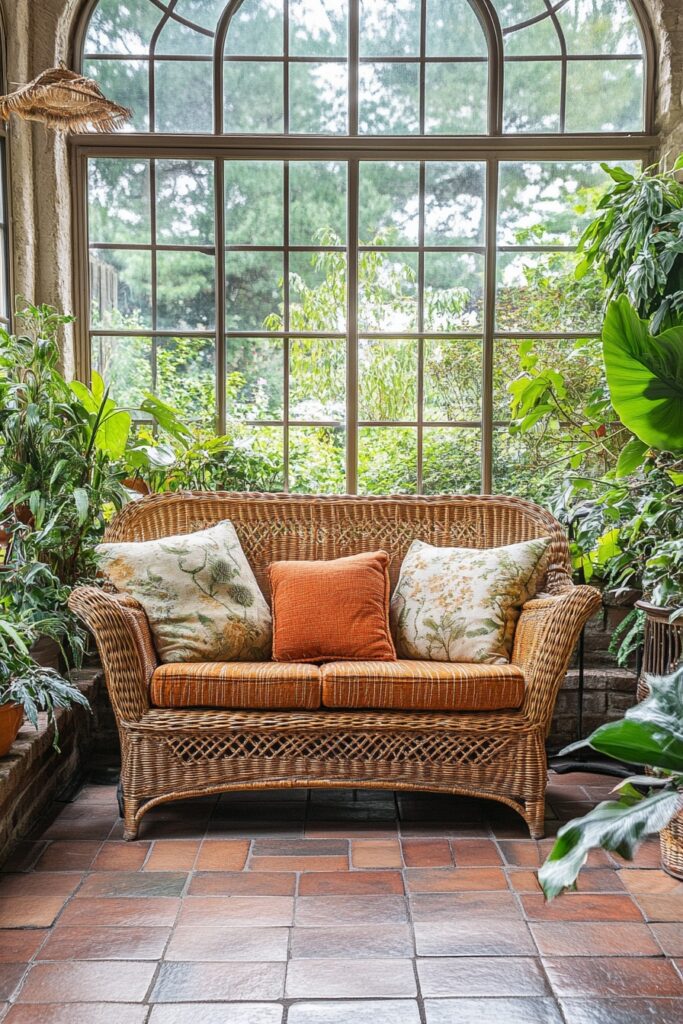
546,634
121,630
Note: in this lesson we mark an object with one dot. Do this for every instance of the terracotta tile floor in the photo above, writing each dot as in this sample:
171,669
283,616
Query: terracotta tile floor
330,907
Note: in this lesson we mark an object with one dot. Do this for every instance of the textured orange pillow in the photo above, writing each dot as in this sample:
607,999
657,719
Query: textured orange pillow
332,611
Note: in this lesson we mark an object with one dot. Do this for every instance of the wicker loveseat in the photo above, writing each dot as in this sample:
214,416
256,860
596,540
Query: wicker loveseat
171,752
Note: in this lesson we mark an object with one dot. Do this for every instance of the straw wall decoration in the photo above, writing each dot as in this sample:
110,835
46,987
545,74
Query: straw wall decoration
65,101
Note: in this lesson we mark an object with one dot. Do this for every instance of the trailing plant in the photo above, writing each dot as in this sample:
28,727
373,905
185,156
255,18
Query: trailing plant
650,735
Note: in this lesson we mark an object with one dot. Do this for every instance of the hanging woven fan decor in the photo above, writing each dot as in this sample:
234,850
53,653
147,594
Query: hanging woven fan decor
65,101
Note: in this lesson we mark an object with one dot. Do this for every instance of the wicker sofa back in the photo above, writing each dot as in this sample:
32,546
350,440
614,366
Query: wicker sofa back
273,527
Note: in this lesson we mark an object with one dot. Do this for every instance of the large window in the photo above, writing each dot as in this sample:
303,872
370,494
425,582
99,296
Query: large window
5,310
336,223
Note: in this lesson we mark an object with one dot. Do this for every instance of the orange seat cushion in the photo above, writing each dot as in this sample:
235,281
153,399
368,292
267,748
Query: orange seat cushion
332,611
235,684
422,686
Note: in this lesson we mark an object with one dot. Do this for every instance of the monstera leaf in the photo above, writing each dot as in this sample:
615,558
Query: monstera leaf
645,376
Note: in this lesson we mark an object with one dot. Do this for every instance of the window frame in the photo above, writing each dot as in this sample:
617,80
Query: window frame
6,321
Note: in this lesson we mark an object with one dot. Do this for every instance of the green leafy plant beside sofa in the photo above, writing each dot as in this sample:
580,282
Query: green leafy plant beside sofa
649,735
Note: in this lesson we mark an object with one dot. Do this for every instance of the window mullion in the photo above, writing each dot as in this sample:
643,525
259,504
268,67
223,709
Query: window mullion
221,357
352,328
489,326
285,340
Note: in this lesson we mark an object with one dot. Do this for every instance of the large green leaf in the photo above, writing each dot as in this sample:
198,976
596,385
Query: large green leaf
645,376
640,743
614,825
113,432
663,707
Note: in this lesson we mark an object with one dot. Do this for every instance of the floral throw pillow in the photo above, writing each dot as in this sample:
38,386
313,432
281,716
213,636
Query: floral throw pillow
199,592
462,604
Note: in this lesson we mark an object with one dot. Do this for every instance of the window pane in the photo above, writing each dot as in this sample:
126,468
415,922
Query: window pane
253,291
186,291
454,291
523,463
183,96
317,457
125,82
389,28
126,365
253,97
531,101
120,288
389,205
452,379
317,379
255,380
200,12
603,26
186,377
185,210
317,291
605,96
387,291
538,291
579,362
387,460
453,30
317,197
121,28
253,202
387,372
177,38
118,201
451,460
318,98
454,203
258,463
317,28
456,99
256,29
529,29
388,99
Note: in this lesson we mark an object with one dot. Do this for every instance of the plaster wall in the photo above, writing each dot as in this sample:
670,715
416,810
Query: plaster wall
38,35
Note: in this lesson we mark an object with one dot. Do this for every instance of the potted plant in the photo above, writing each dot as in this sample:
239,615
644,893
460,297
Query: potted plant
649,735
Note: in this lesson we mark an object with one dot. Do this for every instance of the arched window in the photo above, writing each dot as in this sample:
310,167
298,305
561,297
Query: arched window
5,301
332,223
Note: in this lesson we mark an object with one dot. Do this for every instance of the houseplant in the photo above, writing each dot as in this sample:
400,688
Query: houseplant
650,735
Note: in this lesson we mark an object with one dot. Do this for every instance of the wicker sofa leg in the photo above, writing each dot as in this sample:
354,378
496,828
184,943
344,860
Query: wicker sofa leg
130,821
535,817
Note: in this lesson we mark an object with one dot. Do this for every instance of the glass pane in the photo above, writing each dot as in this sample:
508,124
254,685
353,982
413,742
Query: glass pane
118,201
253,202
204,13
258,463
255,29
451,460
389,28
454,291
452,379
388,99
317,28
317,379
317,457
186,377
186,291
389,206
387,291
603,26
183,96
317,291
126,365
454,203
178,38
529,28
547,203
523,463
253,298
453,30
255,378
120,288
121,28
387,460
531,101
456,99
125,82
185,211
317,198
4,298
387,380
605,96
253,97
538,291
318,98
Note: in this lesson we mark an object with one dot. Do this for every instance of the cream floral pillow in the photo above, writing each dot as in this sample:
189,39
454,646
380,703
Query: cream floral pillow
462,604
200,595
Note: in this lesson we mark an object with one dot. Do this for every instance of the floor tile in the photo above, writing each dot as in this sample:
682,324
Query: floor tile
173,855
455,880
10,976
586,938
349,883
357,1011
216,1013
651,883
91,981
669,935
300,848
427,853
29,911
334,979
242,883
342,941
120,856
473,937
77,1013
316,911
575,906
123,912
103,942
222,855
622,1011
54,884
18,945
446,906
221,943
376,853
68,855
129,883
475,853
612,976
481,976
264,911
24,855
493,1011
211,982
295,863
662,908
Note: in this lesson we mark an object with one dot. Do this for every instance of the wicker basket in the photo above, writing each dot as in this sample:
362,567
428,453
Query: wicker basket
671,845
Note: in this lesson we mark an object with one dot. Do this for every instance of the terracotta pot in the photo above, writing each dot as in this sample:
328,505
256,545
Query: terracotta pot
11,717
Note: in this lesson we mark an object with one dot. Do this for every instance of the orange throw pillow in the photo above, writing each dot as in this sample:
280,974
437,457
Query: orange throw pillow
332,611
